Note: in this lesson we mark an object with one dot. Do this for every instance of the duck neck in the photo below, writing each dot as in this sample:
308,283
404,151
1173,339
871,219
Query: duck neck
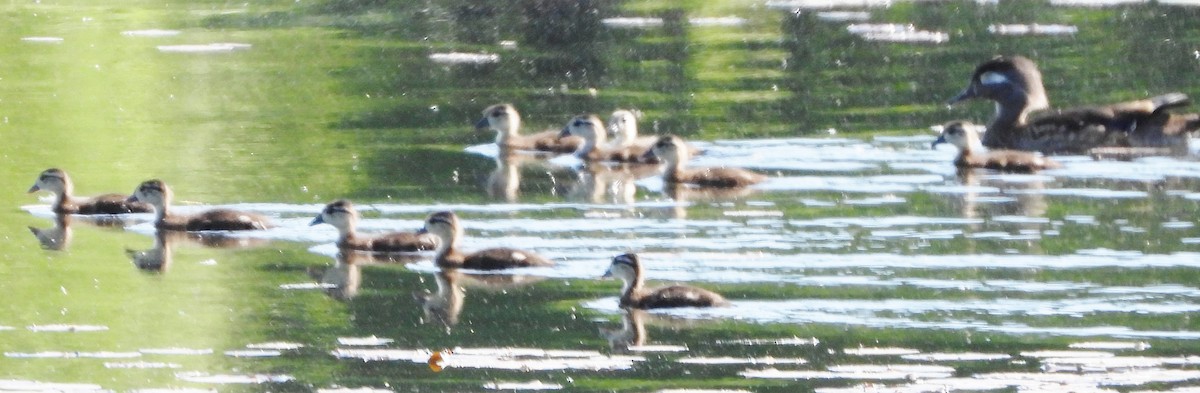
160,212
1012,112
346,232
674,165
447,245
507,131
631,288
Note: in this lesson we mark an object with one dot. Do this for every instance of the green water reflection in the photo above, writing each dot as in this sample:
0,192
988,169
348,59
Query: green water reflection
339,99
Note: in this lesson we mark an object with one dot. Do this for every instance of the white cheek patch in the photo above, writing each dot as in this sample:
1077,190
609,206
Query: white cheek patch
992,78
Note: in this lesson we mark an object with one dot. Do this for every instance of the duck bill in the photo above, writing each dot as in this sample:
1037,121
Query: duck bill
607,273
966,94
482,124
422,231
131,199
648,156
33,189
566,132
940,140
317,220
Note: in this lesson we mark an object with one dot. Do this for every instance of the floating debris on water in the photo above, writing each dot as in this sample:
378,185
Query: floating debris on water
956,357
868,372
464,58
216,47
632,22
307,286
895,32
657,348
1112,345
843,16
253,353
790,341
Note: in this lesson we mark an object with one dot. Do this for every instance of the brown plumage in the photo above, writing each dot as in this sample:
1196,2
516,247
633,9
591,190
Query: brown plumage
157,194
342,215
1015,84
595,146
971,153
628,268
507,122
445,225
672,150
56,181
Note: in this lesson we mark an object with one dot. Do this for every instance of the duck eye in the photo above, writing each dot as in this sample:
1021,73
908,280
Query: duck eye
580,123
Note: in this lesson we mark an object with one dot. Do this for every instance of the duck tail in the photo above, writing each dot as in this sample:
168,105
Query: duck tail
1170,100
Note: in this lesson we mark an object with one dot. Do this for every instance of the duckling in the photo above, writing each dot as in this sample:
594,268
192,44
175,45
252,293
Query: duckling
56,181
972,154
342,215
445,226
506,121
1015,84
157,194
628,268
594,147
673,151
623,125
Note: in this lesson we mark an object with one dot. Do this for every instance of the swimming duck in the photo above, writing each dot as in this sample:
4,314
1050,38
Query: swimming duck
594,147
56,181
628,268
157,194
1015,84
342,215
972,154
507,122
673,151
445,226
623,125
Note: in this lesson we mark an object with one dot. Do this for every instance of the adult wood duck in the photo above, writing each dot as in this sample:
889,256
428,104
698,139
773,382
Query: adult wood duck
505,119
1015,84
972,154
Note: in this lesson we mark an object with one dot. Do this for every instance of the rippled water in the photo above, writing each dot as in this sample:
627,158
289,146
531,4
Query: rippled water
865,263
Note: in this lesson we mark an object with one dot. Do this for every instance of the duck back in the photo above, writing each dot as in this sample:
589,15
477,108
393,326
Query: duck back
392,242
716,177
494,259
216,220
676,296
103,204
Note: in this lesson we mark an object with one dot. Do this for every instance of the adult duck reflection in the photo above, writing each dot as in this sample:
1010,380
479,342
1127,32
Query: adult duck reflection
57,237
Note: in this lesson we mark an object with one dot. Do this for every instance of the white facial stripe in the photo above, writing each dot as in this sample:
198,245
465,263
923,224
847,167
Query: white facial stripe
993,78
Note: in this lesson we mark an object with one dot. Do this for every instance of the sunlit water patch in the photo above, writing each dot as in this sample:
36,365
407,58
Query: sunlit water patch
151,33
216,47
1033,29
464,58
497,358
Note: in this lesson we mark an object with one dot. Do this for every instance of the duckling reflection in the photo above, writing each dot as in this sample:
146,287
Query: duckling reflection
599,183
504,182
446,304
632,332
1027,199
57,237
158,258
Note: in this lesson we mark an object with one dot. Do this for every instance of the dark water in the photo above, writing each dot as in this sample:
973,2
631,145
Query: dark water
865,263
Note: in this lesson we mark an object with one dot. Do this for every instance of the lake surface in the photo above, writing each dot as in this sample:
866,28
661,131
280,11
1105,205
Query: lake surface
865,262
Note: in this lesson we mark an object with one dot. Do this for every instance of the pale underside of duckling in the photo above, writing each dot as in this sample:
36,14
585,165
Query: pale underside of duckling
673,151
157,194
342,215
628,268
595,146
506,121
445,226
1015,85
972,154
57,181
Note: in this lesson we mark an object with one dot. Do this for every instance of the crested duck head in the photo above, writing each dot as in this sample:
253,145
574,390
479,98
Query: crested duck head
589,127
445,226
1014,83
628,268
154,192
